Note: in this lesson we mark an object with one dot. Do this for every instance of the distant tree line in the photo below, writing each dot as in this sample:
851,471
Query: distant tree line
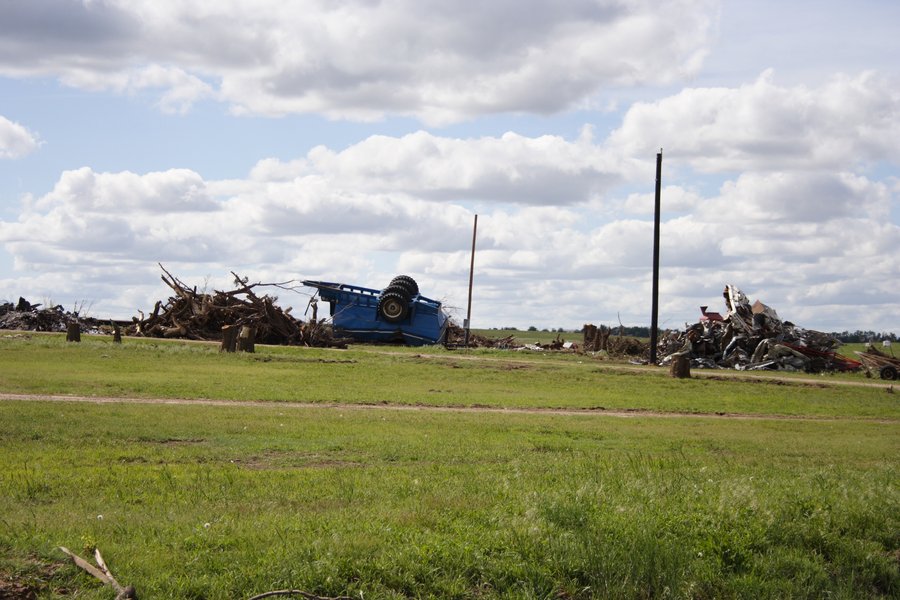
847,337
857,337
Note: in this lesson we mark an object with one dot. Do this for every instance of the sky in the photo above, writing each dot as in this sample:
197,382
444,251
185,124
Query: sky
355,140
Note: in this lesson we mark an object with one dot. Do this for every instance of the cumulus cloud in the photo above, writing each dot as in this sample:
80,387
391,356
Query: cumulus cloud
564,225
546,170
176,215
357,59
761,125
677,199
178,89
800,197
173,191
15,140
547,265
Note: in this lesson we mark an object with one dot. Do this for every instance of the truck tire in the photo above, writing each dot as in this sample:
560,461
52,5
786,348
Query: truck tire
393,307
396,288
407,282
888,372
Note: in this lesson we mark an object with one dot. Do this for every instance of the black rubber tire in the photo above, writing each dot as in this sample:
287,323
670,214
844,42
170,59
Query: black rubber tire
888,372
396,288
393,307
406,281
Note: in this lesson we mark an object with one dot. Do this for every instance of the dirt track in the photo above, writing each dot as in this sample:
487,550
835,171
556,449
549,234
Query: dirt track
594,412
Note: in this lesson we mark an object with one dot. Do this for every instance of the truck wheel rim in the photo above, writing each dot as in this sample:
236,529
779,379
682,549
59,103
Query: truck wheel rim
392,309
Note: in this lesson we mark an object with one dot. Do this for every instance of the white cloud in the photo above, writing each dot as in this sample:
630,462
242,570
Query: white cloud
845,122
564,225
176,190
673,198
357,59
15,140
179,90
546,170
800,197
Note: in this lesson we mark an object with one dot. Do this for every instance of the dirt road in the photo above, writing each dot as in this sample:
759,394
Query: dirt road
586,412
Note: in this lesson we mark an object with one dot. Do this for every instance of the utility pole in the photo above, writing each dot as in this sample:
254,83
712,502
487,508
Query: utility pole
654,318
471,275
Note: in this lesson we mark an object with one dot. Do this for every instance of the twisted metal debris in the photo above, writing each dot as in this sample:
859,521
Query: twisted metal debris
752,337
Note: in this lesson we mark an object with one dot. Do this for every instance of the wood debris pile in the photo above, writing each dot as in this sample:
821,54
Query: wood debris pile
599,339
752,337
456,336
559,344
194,315
622,346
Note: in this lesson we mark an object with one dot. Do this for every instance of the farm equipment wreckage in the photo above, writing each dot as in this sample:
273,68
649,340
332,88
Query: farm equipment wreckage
395,314
749,337
887,367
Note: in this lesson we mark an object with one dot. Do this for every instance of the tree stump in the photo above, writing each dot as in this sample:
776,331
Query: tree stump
590,335
73,332
603,337
596,339
117,334
681,367
229,338
247,339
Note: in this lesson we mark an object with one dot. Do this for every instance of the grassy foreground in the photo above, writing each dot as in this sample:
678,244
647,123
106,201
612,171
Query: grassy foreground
390,375
230,501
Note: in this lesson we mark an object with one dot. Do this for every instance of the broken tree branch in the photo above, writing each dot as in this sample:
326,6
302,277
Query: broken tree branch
103,573
197,315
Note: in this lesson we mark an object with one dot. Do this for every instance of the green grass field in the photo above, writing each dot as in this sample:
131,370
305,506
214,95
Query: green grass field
374,473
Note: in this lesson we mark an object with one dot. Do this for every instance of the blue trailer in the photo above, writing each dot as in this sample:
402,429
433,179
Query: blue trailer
396,314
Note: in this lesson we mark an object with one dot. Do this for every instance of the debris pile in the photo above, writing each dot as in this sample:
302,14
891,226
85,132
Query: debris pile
874,361
622,346
201,316
558,344
25,316
456,337
596,339
752,337
599,339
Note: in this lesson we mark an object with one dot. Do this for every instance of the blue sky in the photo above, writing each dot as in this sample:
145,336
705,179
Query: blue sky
355,141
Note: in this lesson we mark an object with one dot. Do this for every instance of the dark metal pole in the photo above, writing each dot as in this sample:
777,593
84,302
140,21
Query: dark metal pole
654,318
471,274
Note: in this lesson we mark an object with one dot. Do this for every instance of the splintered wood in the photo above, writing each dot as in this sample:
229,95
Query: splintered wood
102,572
238,318
597,339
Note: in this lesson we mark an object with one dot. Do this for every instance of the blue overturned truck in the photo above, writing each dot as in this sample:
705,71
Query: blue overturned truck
397,314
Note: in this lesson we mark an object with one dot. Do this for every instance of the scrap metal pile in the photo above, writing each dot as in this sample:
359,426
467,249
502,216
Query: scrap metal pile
25,316
752,337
